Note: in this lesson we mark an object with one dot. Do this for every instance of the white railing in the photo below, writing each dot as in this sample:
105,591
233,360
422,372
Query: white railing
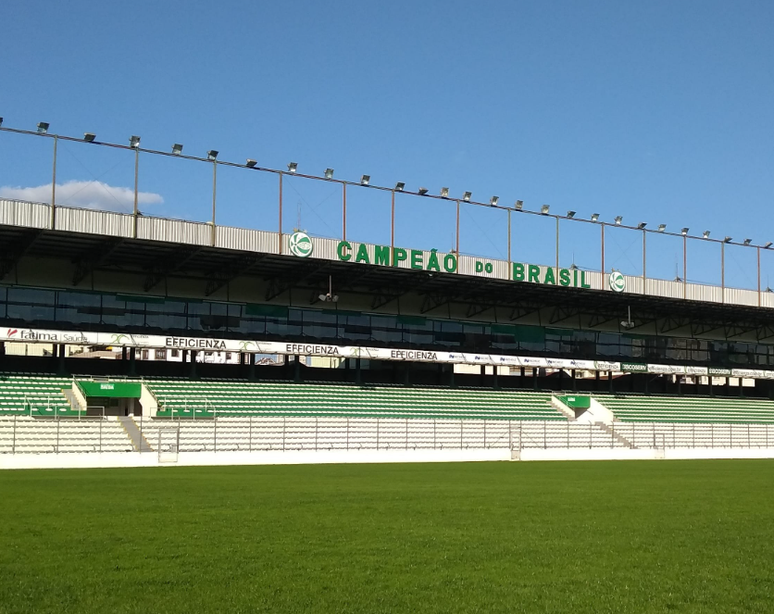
280,433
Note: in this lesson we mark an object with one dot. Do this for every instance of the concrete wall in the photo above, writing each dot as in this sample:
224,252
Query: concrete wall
190,459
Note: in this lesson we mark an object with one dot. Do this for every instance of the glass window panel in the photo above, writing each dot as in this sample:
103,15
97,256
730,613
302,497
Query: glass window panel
122,313
167,316
31,305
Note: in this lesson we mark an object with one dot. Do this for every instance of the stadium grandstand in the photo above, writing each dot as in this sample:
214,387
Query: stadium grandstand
123,334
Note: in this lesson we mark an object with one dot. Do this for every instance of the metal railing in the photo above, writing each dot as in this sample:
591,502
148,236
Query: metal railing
315,433
283,433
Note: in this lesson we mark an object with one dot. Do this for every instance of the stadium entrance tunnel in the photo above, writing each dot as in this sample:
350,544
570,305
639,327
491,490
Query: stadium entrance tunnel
109,398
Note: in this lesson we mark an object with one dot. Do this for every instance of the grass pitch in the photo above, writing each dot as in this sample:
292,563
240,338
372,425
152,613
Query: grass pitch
683,536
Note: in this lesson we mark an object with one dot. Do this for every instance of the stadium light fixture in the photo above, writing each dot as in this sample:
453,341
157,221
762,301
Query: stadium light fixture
618,220
400,186
727,240
595,217
365,180
330,297
747,241
661,227
1,122
444,192
570,214
628,323
768,245
684,231
251,163
89,137
329,173
641,225
134,141
705,234
292,167
466,196
423,191
177,149
43,127
494,200
212,155
519,205
544,209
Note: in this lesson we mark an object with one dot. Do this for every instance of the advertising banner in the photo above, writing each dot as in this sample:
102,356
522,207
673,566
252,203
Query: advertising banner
29,335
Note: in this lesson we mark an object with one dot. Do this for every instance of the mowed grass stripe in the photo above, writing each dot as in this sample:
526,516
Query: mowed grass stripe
684,536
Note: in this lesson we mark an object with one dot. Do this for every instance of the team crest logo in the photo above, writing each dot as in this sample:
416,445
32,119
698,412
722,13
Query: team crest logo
617,281
301,245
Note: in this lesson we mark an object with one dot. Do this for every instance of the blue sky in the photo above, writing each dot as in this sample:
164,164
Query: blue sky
662,112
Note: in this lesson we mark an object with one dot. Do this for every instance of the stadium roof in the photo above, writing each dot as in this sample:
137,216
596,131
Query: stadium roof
217,266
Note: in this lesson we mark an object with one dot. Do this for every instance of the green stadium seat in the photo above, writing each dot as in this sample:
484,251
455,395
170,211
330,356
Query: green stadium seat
641,408
185,399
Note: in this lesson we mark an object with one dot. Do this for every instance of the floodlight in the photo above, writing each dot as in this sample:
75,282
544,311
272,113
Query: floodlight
466,196
618,220
177,149
595,217
250,163
444,192
1,121
134,141
684,231
42,127
365,180
400,186
494,200
661,227
544,209
423,191
705,234
292,167
641,225
329,173
212,155
570,214
89,137
747,241
768,245
727,240
519,204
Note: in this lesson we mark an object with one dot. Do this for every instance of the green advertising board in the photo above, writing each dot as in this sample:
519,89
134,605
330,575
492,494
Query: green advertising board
112,390
574,401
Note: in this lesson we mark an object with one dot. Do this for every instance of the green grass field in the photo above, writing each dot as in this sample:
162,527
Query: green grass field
682,536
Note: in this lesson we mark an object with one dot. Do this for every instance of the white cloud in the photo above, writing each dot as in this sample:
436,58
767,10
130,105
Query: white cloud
86,194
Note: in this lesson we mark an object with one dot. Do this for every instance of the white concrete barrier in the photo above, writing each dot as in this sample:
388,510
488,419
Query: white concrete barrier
299,457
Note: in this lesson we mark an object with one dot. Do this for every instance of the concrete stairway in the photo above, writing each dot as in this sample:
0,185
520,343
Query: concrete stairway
133,432
616,435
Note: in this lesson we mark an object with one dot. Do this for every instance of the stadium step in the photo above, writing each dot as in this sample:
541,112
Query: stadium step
616,435
135,435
